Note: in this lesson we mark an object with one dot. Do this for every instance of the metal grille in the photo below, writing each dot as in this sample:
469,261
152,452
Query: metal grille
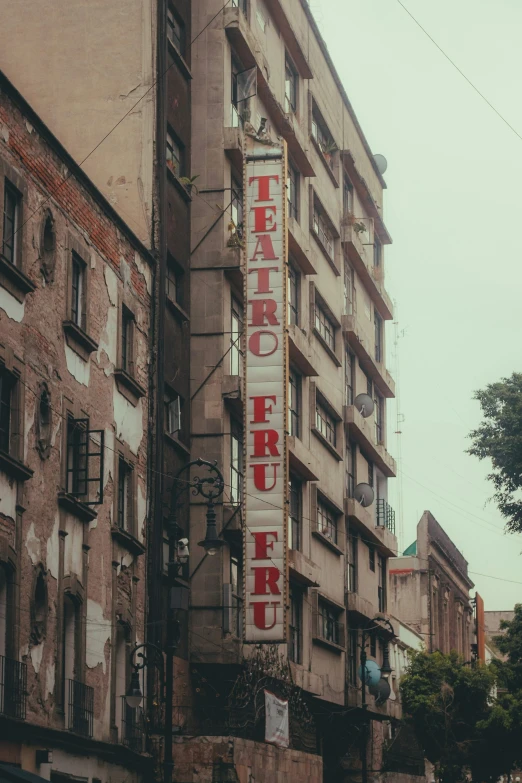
132,727
385,515
13,686
81,708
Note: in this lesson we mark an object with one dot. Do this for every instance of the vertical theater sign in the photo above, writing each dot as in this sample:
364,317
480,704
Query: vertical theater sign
265,379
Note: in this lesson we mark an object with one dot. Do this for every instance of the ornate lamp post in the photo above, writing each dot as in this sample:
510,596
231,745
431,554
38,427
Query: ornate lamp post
210,487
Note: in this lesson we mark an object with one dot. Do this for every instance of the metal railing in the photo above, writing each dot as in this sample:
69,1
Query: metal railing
13,687
81,708
385,515
132,727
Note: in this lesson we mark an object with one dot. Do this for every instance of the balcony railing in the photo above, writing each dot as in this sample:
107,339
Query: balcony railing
132,727
13,686
81,708
385,515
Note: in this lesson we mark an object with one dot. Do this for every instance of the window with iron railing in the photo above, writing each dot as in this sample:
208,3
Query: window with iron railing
324,233
132,727
325,424
385,515
294,403
295,521
325,326
295,641
13,687
81,708
327,521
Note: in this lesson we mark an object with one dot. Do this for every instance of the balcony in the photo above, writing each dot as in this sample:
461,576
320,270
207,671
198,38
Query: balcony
363,519
385,515
371,276
13,687
302,353
362,431
81,708
365,350
360,608
132,727
233,143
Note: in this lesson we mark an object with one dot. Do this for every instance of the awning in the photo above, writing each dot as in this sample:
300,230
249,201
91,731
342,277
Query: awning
11,774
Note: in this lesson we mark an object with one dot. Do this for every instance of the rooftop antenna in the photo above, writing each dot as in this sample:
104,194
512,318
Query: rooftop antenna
398,430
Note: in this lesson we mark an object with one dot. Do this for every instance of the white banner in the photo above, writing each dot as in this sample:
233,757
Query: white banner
277,730
265,398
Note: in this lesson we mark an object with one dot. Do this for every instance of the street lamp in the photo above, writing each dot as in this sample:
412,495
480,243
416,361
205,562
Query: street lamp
380,690
210,487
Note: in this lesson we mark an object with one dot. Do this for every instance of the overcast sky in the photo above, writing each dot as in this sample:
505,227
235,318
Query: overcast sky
453,208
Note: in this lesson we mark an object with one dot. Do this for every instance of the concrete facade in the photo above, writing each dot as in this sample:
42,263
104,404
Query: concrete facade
75,357
429,590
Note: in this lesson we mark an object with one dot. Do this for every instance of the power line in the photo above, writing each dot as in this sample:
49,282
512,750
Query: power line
454,64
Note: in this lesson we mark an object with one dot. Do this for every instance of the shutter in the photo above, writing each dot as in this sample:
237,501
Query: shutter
227,608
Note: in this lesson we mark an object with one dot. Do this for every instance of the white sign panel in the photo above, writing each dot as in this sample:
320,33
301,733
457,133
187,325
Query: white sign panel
276,720
265,351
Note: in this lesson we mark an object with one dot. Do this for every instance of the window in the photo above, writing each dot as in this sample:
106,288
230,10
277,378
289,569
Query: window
173,414
127,340
291,84
261,18
352,562
293,294
347,196
236,207
78,292
236,584
175,31
296,625
325,424
174,282
378,337
379,417
371,477
241,4
236,463
382,584
373,645
7,413
326,521
174,155
294,403
369,385
125,496
349,375
351,461
12,210
352,657
84,466
377,252
371,557
295,512
236,355
323,137
349,279
292,185
323,232
237,68
328,624
325,326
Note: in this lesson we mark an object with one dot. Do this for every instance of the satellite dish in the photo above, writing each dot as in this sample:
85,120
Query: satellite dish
381,690
364,494
372,673
364,404
381,163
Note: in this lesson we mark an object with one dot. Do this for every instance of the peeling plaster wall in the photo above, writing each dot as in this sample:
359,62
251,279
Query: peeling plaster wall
39,518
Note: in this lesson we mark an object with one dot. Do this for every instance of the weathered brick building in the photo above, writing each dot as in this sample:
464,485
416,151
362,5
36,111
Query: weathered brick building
75,358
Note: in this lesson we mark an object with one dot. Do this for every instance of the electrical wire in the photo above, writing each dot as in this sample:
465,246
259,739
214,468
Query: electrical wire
454,64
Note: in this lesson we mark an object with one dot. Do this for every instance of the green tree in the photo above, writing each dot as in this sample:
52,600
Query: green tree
499,438
445,700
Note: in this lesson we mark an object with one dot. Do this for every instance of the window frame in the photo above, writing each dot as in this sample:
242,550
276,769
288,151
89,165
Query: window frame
377,252
126,513
236,463
353,562
78,299
323,324
237,204
8,383
347,195
176,19
12,191
371,557
327,520
127,339
379,336
351,468
291,101
236,559
293,294
349,287
324,420
382,597
237,320
328,616
173,400
295,625
174,145
379,416
295,381
292,184
323,232
295,512
349,377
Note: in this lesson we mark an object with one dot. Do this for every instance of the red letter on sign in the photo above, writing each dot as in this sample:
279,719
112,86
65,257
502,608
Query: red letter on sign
263,545
265,247
260,475
263,278
260,614
264,186
265,443
254,343
263,312
260,409
262,221
265,580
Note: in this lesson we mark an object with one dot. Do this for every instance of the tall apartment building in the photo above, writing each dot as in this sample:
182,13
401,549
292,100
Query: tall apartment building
113,83
337,306
430,587
75,357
